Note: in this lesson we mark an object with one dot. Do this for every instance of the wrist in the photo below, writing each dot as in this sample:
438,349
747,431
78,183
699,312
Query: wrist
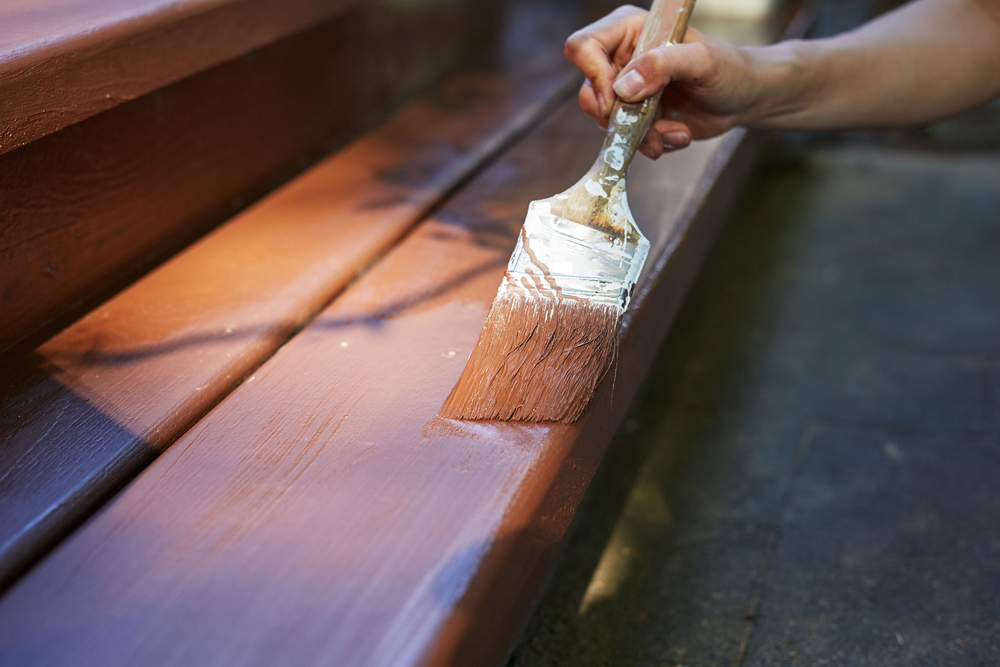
778,77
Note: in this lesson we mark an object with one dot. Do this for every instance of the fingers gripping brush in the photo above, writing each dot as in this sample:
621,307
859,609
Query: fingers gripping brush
552,332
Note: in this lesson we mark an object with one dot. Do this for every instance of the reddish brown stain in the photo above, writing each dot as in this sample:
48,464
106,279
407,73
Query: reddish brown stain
87,209
319,494
320,514
94,404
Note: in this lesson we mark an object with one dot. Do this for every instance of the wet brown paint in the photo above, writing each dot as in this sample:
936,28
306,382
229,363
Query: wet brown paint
489,616
87,410
321,514
540,356
317,493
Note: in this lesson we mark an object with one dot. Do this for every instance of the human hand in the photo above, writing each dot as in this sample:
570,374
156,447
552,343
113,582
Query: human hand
711,83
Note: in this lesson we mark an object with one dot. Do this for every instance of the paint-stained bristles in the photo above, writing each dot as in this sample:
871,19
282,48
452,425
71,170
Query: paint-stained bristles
537,359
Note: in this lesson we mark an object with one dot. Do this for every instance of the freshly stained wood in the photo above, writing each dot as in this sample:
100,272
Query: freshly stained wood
86,210
84,412
321,514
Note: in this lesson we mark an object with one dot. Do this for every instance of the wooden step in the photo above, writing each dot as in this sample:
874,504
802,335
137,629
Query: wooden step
61,63
225,112
322,513
83,413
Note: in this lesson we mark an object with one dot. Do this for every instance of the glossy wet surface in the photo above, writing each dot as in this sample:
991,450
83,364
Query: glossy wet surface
812,475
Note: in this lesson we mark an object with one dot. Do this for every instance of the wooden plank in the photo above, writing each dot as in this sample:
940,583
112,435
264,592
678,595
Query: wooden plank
321,514
86,210
85,411
62,62
503,588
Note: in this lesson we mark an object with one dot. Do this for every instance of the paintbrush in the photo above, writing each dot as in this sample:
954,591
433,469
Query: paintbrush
552,332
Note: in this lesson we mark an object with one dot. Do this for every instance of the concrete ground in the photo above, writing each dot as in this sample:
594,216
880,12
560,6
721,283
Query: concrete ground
813,473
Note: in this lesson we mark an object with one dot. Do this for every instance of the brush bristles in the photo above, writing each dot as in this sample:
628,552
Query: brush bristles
537,359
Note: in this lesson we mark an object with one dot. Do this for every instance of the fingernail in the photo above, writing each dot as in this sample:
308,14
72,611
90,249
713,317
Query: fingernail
601,104
654,150
676,140
629,85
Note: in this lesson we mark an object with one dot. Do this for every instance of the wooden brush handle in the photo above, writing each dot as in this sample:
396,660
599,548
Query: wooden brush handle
666,23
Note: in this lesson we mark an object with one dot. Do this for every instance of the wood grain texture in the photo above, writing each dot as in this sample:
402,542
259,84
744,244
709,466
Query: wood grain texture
85,210
62,62
320,514
85,411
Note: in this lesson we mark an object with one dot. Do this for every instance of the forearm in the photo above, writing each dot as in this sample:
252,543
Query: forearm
925,61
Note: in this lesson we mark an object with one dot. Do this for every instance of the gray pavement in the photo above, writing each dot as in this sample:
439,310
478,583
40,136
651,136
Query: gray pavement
812,474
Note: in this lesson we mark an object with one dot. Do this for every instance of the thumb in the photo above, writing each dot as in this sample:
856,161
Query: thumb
653,70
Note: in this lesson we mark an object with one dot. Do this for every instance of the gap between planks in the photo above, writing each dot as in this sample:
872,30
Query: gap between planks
320,514
235,533
91,407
